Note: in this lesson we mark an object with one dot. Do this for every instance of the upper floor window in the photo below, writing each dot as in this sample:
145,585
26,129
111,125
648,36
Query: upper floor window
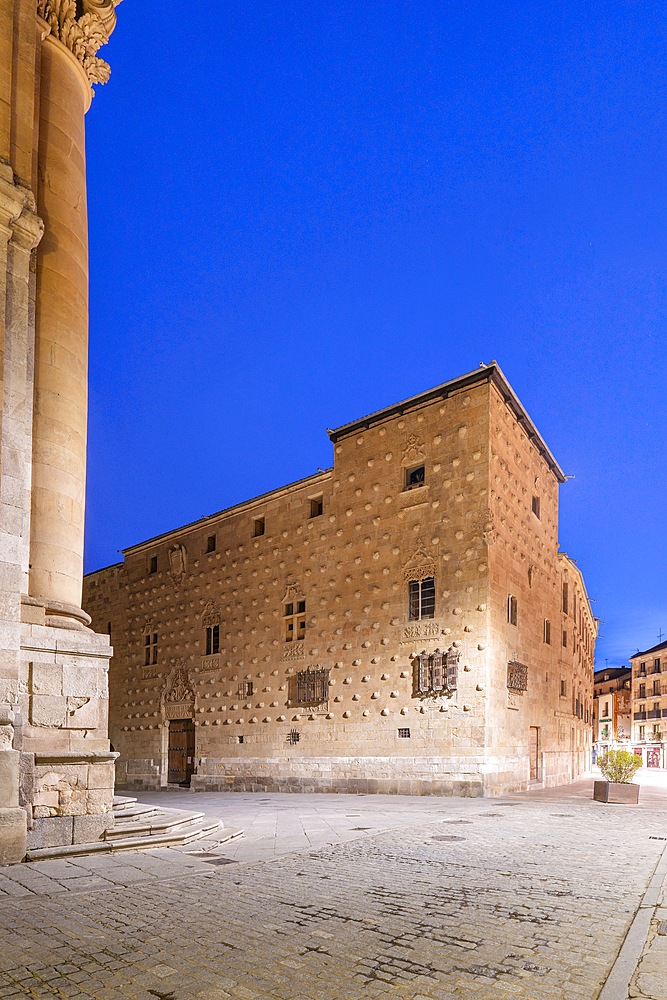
212,639
536,506
566,601
316,507
421,599
294,616
152,566
211,543
642,691
259,526
547,631
512,609
414,477
150,648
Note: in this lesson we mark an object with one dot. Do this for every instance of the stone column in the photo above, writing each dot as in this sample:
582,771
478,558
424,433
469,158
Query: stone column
61,338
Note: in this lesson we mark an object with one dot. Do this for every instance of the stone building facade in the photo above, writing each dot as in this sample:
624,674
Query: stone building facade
56,771
612,717
401,622
649,705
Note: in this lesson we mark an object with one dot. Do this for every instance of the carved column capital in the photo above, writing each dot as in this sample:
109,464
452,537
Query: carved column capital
83,26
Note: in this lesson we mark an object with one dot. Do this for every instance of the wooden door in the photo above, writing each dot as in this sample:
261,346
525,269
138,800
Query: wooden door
534,752
181,751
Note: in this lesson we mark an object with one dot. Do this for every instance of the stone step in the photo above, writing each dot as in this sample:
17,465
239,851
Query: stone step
122,802
132,813
153,823
214,830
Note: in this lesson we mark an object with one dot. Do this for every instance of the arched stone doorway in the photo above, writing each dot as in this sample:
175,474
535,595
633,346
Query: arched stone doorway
178,728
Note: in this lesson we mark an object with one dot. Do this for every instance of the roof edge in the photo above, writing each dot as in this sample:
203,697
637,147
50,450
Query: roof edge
491,373
320,474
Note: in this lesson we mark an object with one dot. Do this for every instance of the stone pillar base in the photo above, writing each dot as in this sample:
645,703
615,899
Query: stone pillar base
12,836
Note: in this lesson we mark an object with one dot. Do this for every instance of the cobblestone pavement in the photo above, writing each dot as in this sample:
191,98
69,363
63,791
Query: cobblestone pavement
525,897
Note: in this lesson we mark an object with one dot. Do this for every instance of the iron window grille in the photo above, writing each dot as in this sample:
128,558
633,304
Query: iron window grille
436,673
517,676
293,737
246,689
312,686
404,734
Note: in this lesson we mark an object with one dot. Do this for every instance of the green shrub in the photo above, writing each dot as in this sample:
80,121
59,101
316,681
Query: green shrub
620,765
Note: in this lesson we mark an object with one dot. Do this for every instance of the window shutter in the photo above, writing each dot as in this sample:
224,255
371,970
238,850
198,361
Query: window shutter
452,662
422,674
437,671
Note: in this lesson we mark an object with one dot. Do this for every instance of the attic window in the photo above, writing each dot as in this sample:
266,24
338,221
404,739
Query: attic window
414,477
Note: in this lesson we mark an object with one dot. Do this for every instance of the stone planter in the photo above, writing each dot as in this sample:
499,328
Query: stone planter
616,791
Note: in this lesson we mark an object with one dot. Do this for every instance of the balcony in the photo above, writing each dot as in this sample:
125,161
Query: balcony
655,713
640,716
655,670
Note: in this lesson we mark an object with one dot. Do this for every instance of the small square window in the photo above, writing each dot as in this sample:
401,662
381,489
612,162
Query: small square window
415,477
153,565
259,527
404,734
210,543
536,506
316,507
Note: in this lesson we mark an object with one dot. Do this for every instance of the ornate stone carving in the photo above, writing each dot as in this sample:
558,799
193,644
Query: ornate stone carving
177,561
414,451
294,651
293,593
210,615
179,688
484,524
83,33
421,630
421,565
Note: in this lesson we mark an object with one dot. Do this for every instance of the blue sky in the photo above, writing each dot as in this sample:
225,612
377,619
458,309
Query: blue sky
300,215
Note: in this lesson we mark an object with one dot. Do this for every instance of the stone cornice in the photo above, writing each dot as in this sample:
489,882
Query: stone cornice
83,27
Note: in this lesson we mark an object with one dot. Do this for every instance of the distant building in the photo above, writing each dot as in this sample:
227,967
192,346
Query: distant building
612,710
401,622
649,704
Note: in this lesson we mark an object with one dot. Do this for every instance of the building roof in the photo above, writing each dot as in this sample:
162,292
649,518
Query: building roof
610,674
485,373
653,649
